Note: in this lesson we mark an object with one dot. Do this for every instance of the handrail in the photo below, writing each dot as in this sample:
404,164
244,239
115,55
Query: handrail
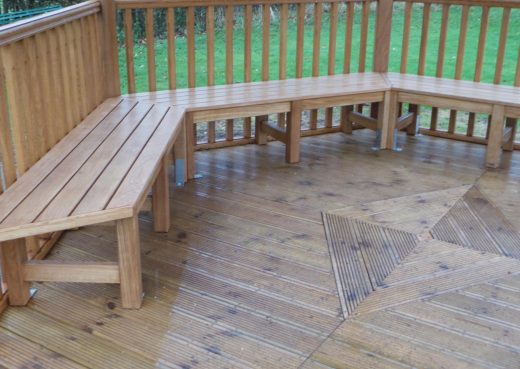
144,4
29,27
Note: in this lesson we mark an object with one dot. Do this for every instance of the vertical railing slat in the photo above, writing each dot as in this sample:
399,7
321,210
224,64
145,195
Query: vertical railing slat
479,63
210,62
318,11
346,125
300,39
129,46
150,50
365,13
170,40
333,28
499,65
282,65
248,32
406,36
461,48
230,11
266,25
440,59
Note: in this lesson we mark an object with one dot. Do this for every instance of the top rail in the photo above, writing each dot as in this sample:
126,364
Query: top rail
29,27
134,4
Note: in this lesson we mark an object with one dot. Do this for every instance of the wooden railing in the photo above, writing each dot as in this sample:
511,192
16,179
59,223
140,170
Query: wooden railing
51,77
297,52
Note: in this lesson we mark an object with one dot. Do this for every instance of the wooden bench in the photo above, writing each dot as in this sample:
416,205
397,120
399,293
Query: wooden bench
499,101
101,171
204,104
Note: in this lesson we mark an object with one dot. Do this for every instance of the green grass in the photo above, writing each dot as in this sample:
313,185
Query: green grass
509,66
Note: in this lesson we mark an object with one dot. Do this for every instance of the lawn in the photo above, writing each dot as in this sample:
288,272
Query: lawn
509,66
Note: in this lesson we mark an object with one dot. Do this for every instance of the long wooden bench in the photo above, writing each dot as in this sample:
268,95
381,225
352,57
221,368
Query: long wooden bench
204,104
498,101
101,171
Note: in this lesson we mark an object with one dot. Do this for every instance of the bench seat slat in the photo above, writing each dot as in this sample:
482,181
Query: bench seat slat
113,174
133,189
30,208
41,169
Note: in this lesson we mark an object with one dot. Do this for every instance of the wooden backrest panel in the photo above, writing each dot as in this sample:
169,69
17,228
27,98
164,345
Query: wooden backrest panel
51,78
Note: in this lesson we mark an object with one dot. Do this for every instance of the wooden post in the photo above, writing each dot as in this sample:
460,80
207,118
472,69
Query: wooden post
260,134
496,128
388,120
161,199
189,139
383,32
14,255
129,263
345,122
110,57
292,146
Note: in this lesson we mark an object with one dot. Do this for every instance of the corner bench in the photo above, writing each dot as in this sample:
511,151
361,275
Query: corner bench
292,96
100,171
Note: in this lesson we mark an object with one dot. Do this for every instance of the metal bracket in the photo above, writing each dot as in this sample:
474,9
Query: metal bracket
394,146
179,172
377,143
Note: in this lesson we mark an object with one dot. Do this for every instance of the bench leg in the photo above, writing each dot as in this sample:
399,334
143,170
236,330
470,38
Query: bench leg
388,120
129,263
510,144
189,138
293,133
346,124
411,130
161,199
496,128
260,133
14,255
179,158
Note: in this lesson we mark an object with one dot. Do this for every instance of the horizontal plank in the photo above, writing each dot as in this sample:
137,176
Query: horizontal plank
50,271
512,112
347,99
29,27
445,102
240,112
453,136
491,3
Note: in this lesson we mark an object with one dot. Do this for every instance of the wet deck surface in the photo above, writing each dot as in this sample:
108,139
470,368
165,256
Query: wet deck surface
244,277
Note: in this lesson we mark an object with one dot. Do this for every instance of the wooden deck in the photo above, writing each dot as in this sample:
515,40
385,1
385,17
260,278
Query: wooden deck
244,278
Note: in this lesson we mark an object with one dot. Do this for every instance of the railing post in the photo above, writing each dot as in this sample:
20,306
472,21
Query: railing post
110,61
383,31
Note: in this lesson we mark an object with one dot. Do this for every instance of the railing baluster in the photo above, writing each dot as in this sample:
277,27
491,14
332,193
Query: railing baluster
460,61
129,45
318,10
248,31
333,27
406,36
210,46
479,62
170,40
282,65
502,45
346,125
230,11
363,36
300,38
440,59
266,24
150,50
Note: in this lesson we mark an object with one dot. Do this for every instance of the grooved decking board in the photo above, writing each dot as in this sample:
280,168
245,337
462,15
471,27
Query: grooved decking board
363,255
445,306
476,223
